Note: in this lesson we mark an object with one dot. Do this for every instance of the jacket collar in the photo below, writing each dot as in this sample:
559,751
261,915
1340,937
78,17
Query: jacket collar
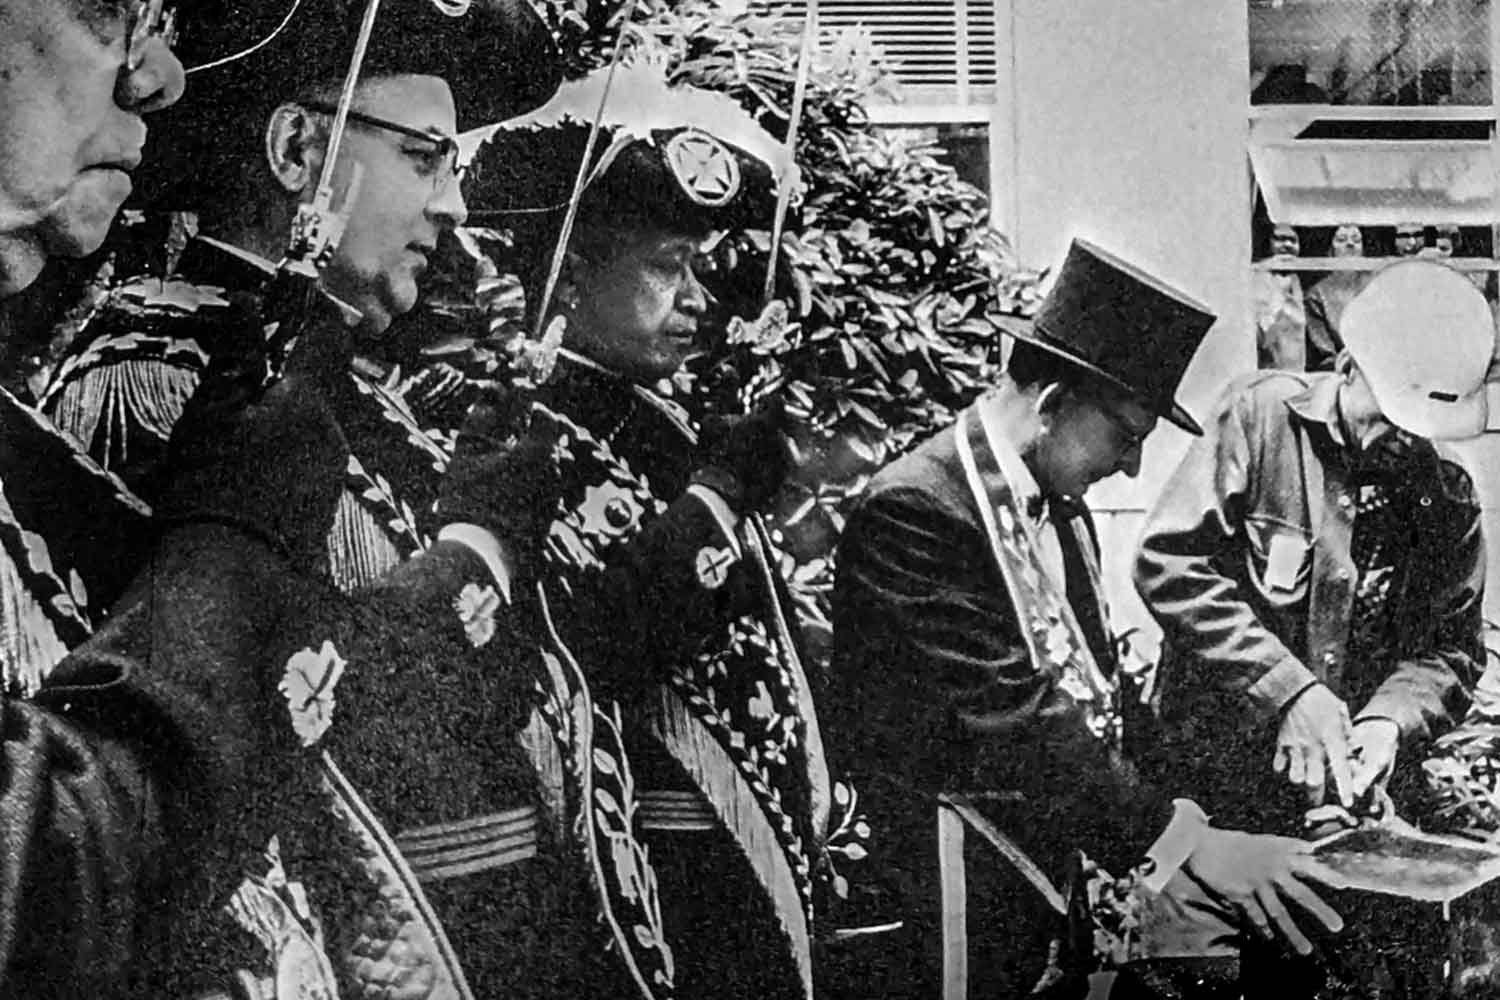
1319,404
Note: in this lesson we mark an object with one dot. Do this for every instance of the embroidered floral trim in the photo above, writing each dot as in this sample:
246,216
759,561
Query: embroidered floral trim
476,610
275,911
308,686
375,490
1053,635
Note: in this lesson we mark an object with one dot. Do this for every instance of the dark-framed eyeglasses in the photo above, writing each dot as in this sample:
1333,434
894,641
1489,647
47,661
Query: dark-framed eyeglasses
1133,435
145,20
444,147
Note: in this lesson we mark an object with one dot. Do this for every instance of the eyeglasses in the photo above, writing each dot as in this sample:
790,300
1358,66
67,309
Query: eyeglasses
1132,433
145,20
441,158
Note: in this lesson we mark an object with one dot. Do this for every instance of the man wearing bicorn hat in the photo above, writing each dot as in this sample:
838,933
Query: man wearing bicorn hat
654,565
1317,566
976,681
265,785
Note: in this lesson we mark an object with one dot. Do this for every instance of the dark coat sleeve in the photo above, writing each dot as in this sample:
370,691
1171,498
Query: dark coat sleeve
1182,576
149,755
650,607
1427,690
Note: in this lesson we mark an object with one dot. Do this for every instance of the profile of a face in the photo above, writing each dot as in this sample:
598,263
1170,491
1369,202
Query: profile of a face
636,305
1348,241
406,198
71,125
1089,435
1285,242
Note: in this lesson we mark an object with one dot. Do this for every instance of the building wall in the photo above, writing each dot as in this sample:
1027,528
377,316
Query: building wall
1124,122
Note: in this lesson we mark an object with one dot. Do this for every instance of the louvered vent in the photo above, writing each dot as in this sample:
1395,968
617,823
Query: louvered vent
942,51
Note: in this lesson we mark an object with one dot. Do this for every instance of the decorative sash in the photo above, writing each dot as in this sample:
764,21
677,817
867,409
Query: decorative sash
1053,637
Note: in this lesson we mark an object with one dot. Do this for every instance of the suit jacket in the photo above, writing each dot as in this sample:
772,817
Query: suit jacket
935,688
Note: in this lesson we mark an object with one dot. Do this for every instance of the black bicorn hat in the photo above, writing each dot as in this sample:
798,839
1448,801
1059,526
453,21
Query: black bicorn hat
679,156
245,57
1122,324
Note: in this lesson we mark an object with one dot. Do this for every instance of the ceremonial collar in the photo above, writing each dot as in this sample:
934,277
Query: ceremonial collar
1023,485
588,376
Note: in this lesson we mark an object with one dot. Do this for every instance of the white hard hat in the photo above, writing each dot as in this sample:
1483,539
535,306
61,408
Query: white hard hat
1424,337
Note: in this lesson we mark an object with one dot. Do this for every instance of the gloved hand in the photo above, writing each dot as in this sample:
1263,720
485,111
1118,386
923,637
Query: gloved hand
502,478
745,459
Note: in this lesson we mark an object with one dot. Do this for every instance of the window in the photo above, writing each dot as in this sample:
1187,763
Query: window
941,51
1370,52
966,148
1372,137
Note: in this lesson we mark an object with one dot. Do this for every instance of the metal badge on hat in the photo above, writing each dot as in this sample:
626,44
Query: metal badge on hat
705,169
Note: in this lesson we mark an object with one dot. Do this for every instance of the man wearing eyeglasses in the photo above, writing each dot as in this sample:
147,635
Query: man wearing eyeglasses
150,820
76,79
976,687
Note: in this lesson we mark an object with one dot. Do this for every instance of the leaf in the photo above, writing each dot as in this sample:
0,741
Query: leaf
604,763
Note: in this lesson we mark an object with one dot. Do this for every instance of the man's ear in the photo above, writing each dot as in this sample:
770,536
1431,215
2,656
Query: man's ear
294,148
1050,398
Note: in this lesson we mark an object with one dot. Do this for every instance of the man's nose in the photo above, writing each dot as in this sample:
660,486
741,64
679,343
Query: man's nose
1130,462
156,82
447,205
693,298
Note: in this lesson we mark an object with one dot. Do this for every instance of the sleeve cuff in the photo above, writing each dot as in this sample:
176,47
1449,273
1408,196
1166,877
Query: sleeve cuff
725,517
1176,844
1398,709
486,546
1279,685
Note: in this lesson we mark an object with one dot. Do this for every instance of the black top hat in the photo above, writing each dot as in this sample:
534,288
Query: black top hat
244,57
1120,323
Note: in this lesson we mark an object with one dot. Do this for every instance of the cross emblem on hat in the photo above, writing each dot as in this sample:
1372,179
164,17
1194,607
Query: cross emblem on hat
704,167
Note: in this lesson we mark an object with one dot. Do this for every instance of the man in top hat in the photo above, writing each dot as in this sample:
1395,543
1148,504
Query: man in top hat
1316,561
973,657
653,565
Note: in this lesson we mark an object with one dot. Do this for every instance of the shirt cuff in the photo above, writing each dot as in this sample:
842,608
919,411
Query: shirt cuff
1279,685
486,546
1176,844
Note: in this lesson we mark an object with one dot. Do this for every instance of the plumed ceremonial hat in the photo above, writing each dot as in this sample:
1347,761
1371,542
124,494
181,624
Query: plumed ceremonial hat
245,57
1116,321
680,156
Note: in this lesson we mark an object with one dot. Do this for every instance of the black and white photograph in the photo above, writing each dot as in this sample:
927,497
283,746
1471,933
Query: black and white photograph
749,499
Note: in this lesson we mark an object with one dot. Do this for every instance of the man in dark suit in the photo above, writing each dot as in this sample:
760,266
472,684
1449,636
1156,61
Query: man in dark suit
973,655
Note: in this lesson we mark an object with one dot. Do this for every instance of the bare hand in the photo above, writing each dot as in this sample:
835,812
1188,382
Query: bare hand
1257,876
1373,752
1314,741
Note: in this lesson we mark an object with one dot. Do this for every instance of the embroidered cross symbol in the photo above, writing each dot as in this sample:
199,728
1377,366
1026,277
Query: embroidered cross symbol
704,167
713,566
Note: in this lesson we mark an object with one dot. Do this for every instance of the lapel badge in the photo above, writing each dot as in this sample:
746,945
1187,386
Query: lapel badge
704,167
713,566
